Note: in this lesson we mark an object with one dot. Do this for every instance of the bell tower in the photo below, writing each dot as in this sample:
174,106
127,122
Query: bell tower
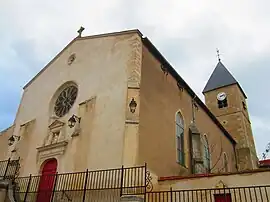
227,101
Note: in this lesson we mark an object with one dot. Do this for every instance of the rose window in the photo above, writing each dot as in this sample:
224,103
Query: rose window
65,100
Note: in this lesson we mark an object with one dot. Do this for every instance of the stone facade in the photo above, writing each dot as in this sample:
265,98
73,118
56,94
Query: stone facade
112,72
4,148
235,119
102,68
160,100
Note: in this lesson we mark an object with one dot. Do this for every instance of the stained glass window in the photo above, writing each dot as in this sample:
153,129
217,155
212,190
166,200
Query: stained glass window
65,100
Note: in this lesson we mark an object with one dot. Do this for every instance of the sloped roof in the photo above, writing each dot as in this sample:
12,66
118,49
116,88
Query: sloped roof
220,77
148,44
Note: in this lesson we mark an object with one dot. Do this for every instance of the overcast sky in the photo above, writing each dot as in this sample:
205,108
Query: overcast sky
186,32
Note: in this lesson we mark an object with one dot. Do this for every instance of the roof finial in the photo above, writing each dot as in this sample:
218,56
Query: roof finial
218,55
80,31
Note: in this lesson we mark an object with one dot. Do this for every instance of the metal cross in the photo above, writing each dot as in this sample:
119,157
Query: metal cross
218,55
80,31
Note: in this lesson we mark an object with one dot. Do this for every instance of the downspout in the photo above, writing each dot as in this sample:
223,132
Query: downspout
191,160
193,111
190,153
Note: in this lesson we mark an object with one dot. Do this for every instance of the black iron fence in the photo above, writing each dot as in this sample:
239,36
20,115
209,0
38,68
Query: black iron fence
9,169
99,185
111,184
233,194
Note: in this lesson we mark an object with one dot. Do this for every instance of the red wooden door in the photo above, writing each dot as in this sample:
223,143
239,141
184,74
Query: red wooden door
223,198
47,181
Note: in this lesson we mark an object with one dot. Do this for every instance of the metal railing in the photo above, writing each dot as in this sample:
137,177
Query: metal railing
9,169
97,185
111,184
233,194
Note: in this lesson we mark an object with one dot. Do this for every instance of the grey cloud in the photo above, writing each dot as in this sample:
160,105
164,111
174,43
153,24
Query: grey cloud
185,32
254,78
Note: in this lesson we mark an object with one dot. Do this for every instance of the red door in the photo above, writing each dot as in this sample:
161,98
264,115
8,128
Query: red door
47,181
223,198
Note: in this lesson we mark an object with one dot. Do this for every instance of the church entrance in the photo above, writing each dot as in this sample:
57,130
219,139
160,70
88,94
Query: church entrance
46,183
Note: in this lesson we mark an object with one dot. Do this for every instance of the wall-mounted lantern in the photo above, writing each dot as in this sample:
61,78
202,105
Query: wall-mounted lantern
132,105
11,140
73,120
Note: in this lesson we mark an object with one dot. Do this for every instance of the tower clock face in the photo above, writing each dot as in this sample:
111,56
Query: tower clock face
221,96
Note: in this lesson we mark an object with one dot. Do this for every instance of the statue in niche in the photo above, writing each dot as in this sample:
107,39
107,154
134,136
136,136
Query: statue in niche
56,133
55,136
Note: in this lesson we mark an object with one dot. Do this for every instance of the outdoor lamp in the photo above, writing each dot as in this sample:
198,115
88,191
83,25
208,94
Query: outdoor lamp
72,120
11,140
132,105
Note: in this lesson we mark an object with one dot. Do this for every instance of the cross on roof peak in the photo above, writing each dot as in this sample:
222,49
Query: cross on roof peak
80,31
218,55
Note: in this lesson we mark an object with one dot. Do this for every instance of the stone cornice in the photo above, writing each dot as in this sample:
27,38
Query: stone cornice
52,146
51,151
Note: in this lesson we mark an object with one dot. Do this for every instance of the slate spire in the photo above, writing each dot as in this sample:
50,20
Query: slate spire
220,77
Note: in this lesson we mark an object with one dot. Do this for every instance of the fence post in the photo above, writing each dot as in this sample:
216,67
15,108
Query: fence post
171,194
145,180
6,168
85,184
122,179
27,189
16,169
54,186
225,195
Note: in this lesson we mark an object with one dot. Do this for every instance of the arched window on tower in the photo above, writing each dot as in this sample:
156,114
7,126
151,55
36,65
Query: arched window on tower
225,163
207,158
180,138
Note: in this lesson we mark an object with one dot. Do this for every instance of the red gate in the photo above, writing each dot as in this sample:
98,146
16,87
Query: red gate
46,183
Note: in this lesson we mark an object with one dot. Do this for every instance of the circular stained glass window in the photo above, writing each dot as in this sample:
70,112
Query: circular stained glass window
65,100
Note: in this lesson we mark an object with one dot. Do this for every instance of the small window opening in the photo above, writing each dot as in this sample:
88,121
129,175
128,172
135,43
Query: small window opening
223,103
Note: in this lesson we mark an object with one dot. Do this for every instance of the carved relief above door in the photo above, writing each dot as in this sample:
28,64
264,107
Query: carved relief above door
54,143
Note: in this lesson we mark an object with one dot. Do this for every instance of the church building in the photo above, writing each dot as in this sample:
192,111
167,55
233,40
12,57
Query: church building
113,99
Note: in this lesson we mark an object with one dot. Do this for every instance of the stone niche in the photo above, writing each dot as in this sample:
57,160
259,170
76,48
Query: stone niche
55,142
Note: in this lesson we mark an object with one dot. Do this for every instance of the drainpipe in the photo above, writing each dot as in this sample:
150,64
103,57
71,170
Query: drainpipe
191,164
193,111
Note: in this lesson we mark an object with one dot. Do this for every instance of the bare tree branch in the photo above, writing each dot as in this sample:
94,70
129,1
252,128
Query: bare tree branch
219,157
267,150
212,148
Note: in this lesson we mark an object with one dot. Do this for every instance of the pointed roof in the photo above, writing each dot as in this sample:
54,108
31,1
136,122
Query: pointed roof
220,77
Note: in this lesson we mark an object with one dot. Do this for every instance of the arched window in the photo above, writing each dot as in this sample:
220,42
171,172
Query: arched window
63,99
206,159
180,138
225,162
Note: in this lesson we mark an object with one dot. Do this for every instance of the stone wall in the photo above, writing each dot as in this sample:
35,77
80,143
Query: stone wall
160,100
101,72
239,179
4,148
235,118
